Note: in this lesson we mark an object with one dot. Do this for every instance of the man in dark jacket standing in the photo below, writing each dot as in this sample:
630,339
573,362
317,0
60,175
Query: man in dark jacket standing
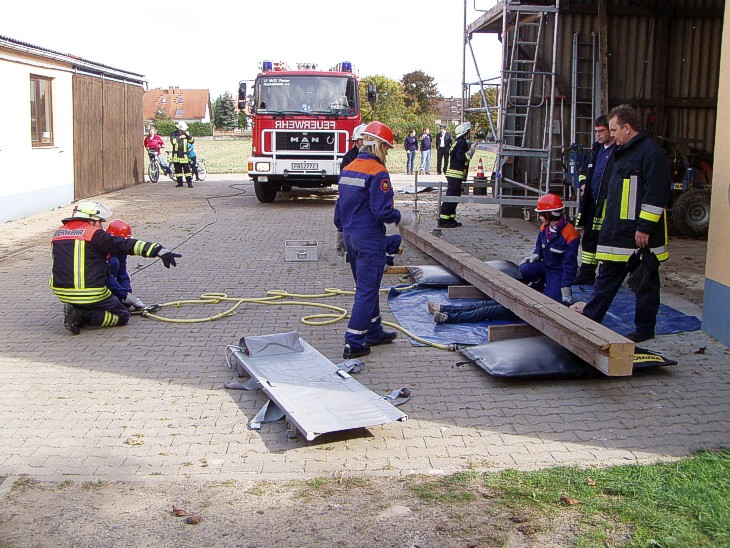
443,146
631,203
590,177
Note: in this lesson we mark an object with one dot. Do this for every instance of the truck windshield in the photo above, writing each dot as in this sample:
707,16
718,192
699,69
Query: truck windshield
321,94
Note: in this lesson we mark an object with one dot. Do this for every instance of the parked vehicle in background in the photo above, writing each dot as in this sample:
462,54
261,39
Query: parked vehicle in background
302,125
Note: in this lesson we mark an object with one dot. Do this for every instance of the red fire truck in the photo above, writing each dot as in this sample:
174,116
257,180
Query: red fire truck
302,123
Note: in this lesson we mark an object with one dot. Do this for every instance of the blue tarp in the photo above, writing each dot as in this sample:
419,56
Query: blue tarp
409,308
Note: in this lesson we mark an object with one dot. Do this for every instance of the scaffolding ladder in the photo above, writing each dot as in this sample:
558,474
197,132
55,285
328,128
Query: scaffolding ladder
584,98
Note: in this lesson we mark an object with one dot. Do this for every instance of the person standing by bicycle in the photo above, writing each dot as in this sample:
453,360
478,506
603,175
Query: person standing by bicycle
180,139
193,160
154,144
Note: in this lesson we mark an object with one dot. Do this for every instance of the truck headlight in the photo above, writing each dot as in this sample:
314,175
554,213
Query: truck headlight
263,166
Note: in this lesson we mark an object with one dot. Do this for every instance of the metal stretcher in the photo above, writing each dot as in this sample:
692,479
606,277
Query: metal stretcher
312,393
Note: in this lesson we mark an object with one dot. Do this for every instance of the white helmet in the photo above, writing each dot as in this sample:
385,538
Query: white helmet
95,211
182,126
462,129
357,132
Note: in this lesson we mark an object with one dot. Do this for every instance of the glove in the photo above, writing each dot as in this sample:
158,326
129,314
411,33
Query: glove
408,218
168,257
340,244
133,301
531,259
567,295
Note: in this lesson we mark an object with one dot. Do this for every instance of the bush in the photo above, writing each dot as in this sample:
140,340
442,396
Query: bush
196,129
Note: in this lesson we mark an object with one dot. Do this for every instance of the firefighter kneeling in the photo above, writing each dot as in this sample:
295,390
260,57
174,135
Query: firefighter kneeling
80,248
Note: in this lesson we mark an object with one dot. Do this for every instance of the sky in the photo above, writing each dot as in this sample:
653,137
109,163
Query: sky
213,44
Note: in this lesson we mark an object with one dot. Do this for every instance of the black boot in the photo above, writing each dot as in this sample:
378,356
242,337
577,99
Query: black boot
74,318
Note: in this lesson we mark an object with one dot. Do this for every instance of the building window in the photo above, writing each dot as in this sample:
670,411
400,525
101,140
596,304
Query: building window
180,100
41,111
454,108
163,100
179,112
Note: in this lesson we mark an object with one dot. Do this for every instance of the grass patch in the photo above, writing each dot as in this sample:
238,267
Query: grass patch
683,503
231,156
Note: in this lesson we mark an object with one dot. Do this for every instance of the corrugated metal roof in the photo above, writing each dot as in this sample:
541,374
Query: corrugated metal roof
75,61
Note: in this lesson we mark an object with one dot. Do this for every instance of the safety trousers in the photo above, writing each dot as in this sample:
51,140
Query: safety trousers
107,313
611,275
366,253
544,279
183,170
448,209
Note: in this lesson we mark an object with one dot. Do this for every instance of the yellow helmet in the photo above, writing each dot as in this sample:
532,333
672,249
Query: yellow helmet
95,211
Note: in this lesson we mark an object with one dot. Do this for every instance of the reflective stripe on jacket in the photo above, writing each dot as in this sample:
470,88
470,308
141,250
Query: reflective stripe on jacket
458,159
180,142
633,197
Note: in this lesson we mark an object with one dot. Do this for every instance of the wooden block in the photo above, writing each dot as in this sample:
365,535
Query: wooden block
511,331
465,292
396,270
604,349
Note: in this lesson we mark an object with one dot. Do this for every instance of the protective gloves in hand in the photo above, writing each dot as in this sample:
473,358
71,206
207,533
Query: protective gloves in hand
340,244
134,301
408,218
531,258
168,257
567,295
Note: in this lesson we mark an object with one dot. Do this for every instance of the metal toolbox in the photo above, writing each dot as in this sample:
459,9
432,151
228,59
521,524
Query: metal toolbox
301,250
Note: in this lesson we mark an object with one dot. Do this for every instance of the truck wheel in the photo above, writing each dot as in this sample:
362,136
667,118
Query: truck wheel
265,192
691,213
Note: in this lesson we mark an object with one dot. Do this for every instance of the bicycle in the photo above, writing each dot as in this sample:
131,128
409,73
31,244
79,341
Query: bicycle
200,171
153,170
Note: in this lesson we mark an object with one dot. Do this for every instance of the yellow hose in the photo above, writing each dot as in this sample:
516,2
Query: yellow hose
277,297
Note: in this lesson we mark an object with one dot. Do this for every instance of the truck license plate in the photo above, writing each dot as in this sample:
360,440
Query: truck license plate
304,166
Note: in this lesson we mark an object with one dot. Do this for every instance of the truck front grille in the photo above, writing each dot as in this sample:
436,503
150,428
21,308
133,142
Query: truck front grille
310,141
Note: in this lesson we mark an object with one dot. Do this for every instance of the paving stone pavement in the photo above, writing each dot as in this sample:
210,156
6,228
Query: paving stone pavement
69,405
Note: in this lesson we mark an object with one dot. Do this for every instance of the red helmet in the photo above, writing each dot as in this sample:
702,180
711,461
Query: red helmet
549,202
378,131
119,228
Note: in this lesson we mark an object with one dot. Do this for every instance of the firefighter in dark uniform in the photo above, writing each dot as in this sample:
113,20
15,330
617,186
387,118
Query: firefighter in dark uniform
631,201
180,139
461,153
365,204
80,249
590,179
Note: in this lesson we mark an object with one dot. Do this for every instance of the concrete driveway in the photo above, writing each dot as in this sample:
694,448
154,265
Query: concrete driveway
147,400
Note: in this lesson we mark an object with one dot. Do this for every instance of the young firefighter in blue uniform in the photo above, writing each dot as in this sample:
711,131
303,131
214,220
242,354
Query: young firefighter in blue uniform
78,278
364,206
117,278
550,269
590,177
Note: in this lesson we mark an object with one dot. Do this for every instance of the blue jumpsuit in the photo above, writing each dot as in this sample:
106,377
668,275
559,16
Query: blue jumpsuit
558,250
117,279
364,205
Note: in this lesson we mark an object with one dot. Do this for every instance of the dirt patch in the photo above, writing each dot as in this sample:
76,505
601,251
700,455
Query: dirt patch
330,512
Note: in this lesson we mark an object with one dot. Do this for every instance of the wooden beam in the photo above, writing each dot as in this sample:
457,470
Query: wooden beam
396,270
604,349
511,331
465,292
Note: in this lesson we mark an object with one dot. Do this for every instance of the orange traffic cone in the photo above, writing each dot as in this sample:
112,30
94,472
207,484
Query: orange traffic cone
480,170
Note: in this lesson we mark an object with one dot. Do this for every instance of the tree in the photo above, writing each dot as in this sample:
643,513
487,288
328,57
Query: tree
421,93
390,108
224,116
478,118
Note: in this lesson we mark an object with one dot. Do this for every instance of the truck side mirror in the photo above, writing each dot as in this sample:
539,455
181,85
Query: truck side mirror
241,96
372,94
